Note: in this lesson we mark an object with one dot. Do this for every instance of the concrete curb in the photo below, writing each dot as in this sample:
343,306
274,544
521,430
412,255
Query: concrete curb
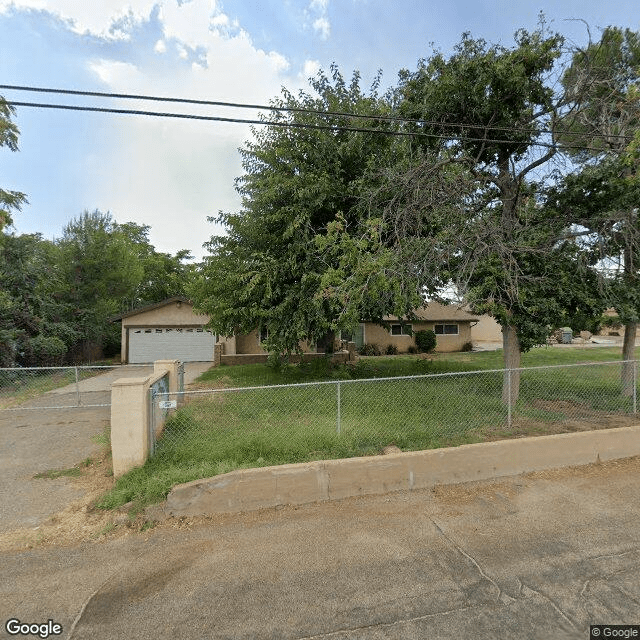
252,489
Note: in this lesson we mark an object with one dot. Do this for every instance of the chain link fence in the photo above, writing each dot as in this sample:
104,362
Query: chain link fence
61,387
254,426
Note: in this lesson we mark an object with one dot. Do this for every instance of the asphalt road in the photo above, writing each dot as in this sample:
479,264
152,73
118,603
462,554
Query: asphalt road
536,556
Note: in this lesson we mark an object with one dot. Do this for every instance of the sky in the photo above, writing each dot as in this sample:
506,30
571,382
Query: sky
173,174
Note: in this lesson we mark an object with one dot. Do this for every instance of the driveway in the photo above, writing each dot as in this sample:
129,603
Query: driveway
36,439
537,556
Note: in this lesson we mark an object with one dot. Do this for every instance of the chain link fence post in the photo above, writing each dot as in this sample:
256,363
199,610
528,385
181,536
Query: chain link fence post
77,387
635,385
509,398
338,401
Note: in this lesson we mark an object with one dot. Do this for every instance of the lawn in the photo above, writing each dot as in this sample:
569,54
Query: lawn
225,430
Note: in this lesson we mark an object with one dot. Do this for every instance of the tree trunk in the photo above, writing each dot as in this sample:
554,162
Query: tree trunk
511,354
628,353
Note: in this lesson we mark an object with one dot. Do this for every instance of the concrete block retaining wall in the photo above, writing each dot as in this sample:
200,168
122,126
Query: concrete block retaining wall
250,489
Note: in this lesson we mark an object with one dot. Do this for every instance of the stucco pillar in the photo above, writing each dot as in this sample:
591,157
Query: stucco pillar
218,351
129,423
160,366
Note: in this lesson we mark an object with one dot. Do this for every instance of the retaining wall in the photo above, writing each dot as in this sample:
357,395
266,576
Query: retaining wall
250,489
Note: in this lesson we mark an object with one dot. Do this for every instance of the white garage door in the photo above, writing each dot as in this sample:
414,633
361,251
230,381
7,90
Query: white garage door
187,345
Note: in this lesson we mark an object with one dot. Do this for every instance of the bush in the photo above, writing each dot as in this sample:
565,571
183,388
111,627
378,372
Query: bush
391,350
412,348
426,340
370,350
45,351
467,346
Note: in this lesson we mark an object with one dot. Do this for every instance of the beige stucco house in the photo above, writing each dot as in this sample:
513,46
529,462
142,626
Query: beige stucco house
172,330
451,324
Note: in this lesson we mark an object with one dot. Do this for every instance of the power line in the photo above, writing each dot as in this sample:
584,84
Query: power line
343,114
286,125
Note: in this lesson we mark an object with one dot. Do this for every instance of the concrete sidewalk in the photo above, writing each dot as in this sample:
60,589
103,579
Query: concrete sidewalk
535,556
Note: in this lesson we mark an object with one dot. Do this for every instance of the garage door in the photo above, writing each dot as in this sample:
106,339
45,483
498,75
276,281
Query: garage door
187,345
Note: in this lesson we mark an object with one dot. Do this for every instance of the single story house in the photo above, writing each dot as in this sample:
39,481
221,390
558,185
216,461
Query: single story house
451,324
172,330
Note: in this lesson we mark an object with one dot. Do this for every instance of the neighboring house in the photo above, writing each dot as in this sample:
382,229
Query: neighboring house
171,330
166,330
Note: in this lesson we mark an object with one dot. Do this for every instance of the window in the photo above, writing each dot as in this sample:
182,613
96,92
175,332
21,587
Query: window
346,336
401,329
446,329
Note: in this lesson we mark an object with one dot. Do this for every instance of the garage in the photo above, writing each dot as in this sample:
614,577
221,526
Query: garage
158,343
167,330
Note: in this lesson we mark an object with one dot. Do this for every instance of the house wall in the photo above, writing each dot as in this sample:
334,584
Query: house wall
486,330
375,334
248,343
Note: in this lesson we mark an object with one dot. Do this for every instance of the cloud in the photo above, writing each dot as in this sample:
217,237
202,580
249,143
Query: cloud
317,16
322,26
168,173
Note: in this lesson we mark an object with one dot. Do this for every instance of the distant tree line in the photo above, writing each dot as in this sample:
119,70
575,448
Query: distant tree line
58,297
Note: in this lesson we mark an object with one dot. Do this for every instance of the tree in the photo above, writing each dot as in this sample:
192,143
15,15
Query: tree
9,200
298,181
487,110
163,275
99,268
606,77
33,329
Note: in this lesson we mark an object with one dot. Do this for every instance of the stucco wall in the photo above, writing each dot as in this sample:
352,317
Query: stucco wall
248,343
375,334
486,330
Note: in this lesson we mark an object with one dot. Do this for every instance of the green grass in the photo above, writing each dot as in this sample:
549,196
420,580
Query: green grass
219,432
52,474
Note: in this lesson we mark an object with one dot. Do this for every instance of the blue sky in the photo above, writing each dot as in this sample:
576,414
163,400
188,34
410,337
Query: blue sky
171,174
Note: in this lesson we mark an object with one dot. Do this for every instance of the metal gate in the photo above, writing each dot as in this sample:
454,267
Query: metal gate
25,388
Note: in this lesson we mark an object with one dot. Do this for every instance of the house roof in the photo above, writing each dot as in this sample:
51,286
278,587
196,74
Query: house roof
437,312
150,307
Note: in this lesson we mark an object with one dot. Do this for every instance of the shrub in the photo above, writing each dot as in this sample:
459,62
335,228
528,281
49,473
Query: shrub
45,351
391,350
426,340
412,348
370,350
467,346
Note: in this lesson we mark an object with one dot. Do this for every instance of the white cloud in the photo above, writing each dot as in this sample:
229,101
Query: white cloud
93,17
317,16
311,68
160,47
322,26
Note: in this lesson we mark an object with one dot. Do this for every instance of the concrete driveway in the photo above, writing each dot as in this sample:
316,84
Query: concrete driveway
537,556
40,438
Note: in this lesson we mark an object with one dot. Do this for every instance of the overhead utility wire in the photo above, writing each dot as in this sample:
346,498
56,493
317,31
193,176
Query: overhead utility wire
276,123
243,105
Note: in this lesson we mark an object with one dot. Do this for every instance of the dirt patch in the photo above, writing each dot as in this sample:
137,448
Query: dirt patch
529,427
79,521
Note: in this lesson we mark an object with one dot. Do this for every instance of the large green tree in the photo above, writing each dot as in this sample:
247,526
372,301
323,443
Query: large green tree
9,200
33,321
99,269
483,120
298,181
605,78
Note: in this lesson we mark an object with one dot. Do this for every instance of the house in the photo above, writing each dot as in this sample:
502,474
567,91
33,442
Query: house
451,324
172,330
